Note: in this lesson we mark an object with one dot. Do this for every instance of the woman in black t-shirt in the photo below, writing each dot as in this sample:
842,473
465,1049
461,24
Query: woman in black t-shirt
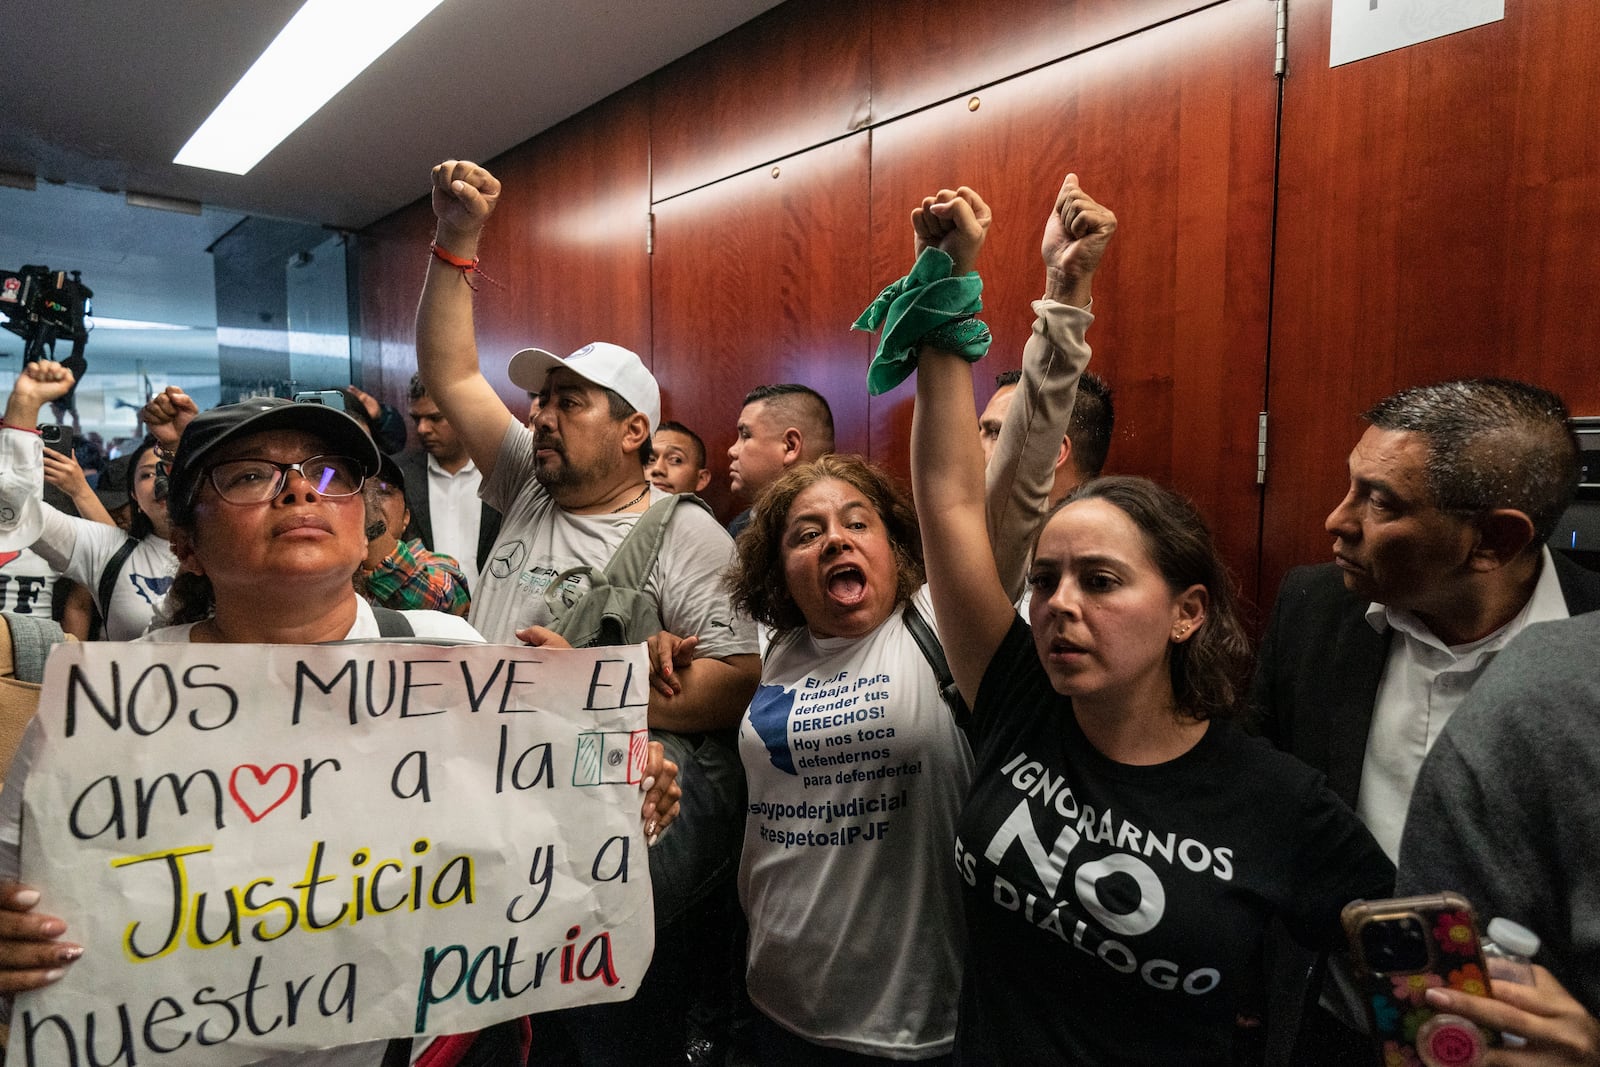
1124,845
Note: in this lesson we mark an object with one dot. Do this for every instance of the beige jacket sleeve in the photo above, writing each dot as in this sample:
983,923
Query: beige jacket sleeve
1021,474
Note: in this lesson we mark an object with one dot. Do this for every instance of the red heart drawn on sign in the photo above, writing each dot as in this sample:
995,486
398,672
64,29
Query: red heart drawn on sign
261,780
7,557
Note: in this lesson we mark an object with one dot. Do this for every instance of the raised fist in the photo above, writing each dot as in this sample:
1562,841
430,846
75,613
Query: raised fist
955,221
1075,237
464,196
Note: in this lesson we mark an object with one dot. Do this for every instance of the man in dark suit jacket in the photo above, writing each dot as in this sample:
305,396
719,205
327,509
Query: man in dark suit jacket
1439,560
444,454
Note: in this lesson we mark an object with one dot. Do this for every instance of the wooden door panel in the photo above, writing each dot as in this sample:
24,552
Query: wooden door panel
781,83
757,279
1173,129
1440,207
924,51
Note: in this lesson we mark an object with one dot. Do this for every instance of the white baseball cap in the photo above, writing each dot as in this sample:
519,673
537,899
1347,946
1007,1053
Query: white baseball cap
609,366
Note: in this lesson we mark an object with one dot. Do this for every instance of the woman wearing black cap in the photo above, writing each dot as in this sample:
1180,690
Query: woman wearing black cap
127,574
269,523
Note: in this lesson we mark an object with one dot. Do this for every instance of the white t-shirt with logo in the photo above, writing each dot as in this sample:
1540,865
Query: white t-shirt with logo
856,771
80,549
538,541
27,583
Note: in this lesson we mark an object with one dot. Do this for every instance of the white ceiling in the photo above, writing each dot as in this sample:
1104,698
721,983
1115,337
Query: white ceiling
100,95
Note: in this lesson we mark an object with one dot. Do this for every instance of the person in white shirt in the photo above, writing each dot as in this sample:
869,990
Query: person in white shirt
126,573
442,489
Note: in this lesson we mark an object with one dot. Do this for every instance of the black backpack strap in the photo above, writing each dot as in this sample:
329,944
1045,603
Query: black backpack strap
933,652
108,577
392,623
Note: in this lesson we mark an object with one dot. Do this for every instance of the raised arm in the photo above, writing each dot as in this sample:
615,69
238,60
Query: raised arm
464,196
62,471
166,415
947,463
1022,473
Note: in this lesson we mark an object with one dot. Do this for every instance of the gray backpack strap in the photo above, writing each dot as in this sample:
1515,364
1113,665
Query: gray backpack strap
635,558
628,569
32,638
933,652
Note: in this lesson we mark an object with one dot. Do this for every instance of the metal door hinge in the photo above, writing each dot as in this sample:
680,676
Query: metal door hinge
1280,61
1261,448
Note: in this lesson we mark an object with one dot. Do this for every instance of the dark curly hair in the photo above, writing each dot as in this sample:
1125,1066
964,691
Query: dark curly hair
1207,670
756,581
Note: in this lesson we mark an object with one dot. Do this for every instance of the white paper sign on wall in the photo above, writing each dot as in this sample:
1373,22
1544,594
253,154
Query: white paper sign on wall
1363,28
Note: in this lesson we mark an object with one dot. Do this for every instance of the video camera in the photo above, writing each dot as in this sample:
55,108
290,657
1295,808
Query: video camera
40,305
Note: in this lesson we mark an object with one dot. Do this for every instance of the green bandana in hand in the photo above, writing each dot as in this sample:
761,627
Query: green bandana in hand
926,307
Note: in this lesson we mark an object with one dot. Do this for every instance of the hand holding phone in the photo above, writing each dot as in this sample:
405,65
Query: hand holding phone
1400,949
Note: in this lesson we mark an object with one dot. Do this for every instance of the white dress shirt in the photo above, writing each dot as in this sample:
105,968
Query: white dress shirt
456,513
1424,682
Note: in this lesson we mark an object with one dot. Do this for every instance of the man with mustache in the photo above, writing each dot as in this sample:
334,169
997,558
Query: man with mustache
1440,559
570,489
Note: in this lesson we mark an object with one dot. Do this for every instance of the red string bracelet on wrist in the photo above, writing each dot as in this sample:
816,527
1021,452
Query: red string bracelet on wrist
467,267
4,425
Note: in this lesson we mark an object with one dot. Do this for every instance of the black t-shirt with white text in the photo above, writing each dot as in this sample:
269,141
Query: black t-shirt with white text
1115,914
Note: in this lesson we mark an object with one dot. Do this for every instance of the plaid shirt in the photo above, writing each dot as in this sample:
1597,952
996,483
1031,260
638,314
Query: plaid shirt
412,578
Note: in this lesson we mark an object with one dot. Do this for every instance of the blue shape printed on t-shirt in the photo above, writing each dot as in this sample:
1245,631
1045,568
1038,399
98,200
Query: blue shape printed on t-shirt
769,714
152,589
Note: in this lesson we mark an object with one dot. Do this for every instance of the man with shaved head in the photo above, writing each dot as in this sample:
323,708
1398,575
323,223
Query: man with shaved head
779,426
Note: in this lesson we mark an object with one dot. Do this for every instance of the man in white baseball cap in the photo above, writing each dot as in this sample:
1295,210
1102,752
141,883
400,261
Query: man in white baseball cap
571,485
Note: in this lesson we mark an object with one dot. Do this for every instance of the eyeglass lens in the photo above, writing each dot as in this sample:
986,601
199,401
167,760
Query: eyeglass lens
250,481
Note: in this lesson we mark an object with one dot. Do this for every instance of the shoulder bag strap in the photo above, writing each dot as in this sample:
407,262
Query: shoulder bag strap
108,577
933,652
633,560
392,623
31,640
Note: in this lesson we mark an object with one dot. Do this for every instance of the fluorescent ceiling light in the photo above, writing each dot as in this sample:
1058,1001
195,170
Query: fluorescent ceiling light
100,322
320,51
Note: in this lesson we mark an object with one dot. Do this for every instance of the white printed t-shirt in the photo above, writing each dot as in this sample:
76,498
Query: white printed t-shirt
538,540
80,549
856,771
27,583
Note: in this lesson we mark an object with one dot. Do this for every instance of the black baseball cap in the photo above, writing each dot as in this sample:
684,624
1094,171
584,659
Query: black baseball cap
390,473
211,429
112,485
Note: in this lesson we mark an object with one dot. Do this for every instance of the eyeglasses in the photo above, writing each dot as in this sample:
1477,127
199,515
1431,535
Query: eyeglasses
253,481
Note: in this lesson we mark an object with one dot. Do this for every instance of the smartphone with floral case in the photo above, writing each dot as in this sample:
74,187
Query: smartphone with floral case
1399,950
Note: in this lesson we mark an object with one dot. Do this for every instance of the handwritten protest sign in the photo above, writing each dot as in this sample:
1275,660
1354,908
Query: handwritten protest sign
267,848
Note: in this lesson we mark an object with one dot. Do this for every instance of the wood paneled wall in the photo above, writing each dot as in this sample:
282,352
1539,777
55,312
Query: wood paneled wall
1439,215
1434,212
